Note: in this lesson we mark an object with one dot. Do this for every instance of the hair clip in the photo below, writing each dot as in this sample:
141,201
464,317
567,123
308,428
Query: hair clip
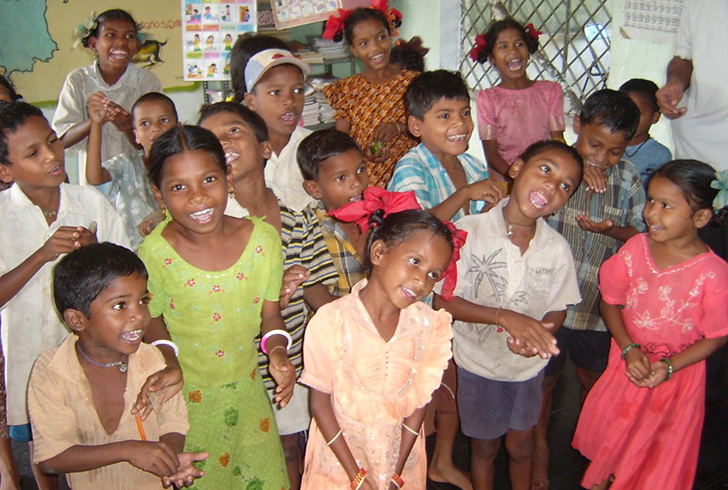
84,30
720,183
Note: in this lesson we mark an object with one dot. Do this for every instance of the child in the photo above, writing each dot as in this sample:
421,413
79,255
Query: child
308,265
370,106
41,218
123,179
216,281
409,55
518,111
665,301
335,174
114,41
273,87
604,212
373,359
643,151
514,272
80,393
447,181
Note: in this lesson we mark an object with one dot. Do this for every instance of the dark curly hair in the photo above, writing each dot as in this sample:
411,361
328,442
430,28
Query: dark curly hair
486,43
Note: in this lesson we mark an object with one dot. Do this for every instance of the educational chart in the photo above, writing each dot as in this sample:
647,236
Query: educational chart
291,13
651,20
209,30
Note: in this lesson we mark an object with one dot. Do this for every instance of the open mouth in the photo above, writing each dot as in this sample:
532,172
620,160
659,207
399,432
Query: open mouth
231,156
135,336
409,294
458,138
514,64
289,118
377,58
203,216
356,198
118,54
538,200
57,170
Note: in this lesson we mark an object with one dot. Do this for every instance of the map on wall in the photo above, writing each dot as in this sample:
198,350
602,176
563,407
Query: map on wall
36,39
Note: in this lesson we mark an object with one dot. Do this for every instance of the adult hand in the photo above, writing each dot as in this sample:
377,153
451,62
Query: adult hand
668,98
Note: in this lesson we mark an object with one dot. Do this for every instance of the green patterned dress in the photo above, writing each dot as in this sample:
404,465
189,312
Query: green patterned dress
213,318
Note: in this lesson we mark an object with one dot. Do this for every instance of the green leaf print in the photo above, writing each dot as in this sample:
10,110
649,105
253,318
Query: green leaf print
255,484
231,417
237,471
231,386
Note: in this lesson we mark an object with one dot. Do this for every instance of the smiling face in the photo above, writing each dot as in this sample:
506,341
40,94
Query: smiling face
243,152
118,319
407,272
342,179
194,188
116,44
668,214
446,128
597,146
278,98
152,119
510,56
36,156
542,185
371,43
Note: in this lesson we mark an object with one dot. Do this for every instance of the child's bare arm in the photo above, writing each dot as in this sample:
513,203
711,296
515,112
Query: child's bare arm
165,383
64,240
494,158
410,427
483,190
557,136
279,365
122,119
529,332
695,353
96,108
636,362
607,228
153,457
76,133
343,125
317,295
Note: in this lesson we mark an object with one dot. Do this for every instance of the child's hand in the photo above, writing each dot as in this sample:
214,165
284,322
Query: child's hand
638,366
486,190
293,277
386,131
120,117
67,239
97,108
518,348
284,374
529,333
659,374
163,384
377,152
186,473
601,227
668,97
154,457
594,177
150,222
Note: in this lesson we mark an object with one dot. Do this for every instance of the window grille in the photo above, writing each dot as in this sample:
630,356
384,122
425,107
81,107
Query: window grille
573,49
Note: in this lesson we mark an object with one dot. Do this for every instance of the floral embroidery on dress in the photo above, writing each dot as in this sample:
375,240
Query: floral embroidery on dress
240,276
190,283
195,396
224,460
216,288
167,262
265,425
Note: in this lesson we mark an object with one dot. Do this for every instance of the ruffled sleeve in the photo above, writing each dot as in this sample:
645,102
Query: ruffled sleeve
318,372
616,271
486,116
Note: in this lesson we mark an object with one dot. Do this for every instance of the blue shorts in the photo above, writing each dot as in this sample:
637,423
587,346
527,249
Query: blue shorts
488,409
588,349
21,433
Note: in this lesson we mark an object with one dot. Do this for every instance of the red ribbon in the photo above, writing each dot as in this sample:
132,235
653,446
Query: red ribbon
450,275
374,198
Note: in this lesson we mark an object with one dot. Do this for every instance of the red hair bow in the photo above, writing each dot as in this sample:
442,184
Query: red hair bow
477,54
531,31
335,25
374,198
450,275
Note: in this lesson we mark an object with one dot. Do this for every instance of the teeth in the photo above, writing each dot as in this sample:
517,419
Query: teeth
378,57
458,138
288,118
132,336
514,64
231,156
538,200
355,198
202,216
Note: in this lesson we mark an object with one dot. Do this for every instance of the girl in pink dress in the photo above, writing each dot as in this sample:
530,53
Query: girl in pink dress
374,358
665,301
518,111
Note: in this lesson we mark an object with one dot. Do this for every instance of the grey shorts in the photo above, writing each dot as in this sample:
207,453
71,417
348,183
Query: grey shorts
488,408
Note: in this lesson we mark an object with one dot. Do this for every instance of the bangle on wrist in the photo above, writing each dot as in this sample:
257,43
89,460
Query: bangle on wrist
397,480
358,480
168,343
670,370
496,317
271,334
629,348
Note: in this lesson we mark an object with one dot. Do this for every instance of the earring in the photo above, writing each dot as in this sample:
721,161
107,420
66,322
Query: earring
164,211
231,193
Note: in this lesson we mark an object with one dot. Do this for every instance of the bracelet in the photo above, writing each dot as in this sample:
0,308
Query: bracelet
399,131
397,480
496,316
334,438
411,430
270,334
668,361
358,480
168,343
275,349
629,348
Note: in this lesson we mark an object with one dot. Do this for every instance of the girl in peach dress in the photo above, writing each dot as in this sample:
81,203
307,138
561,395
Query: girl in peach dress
374,358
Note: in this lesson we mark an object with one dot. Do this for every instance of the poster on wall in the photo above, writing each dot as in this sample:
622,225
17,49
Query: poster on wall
291,13
209,30
651,20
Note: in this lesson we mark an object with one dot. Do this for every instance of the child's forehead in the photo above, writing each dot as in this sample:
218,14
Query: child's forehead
448,102
288,71
598,129
117,25
153,106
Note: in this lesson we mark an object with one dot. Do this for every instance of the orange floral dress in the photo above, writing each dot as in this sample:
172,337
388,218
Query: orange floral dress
366,105
374,386
213,317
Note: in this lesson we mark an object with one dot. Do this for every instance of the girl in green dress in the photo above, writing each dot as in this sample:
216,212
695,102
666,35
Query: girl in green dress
215,282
